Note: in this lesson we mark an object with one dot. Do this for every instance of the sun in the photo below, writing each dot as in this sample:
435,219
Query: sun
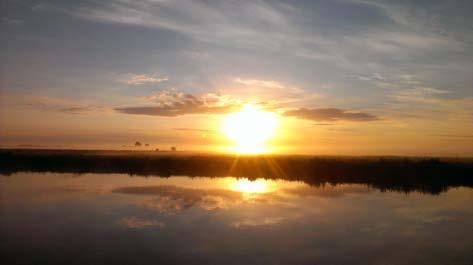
250,129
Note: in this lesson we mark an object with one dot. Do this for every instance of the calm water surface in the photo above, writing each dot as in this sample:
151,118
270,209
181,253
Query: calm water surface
106,218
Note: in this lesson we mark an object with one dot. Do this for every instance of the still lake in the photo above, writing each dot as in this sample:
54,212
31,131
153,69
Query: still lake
52,218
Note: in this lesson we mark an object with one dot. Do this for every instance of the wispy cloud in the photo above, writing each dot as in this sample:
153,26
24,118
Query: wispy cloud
194,130
372,77
274,93
258,83
323,124
266,221
11,21
141,79
139,223
279,26
413,98
330,114
458,136
419,94
188,17
62,105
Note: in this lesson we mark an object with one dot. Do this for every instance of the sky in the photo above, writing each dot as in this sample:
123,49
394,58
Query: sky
348,77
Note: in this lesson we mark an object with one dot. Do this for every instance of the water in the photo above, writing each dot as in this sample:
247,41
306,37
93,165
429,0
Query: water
115,218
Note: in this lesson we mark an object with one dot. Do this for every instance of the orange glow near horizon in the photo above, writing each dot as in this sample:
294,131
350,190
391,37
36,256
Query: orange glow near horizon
250,129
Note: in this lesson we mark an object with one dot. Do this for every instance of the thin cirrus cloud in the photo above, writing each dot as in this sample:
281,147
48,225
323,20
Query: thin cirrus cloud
270,25
141,79
67,110
259,83
53,104
194,130
330,114
139,223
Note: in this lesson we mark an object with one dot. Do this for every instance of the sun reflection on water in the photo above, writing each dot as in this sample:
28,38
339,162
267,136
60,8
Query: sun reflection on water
252,187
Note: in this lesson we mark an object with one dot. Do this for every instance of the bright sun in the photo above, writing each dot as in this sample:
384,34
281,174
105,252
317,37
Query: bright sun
250,129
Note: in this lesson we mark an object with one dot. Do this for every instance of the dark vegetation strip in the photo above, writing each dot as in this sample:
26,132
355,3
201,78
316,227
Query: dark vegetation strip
429,175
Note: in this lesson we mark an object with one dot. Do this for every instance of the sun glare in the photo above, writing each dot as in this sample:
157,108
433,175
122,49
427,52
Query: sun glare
250,129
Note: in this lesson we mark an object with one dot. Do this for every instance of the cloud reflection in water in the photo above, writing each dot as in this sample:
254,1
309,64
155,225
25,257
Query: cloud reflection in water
181,220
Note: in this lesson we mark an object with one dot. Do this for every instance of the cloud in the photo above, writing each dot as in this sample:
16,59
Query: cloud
11,21
61,105
139,223
194,18
372,77
134,79
259,83
174,110
31,146
413,97
194,130
266,221
298,28
169,103
460,136
329,114
323,124
67,110
168,198
368,36
78,110
329,192
274,92
418,94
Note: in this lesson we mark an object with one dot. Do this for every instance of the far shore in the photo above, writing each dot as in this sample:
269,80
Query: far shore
424,174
